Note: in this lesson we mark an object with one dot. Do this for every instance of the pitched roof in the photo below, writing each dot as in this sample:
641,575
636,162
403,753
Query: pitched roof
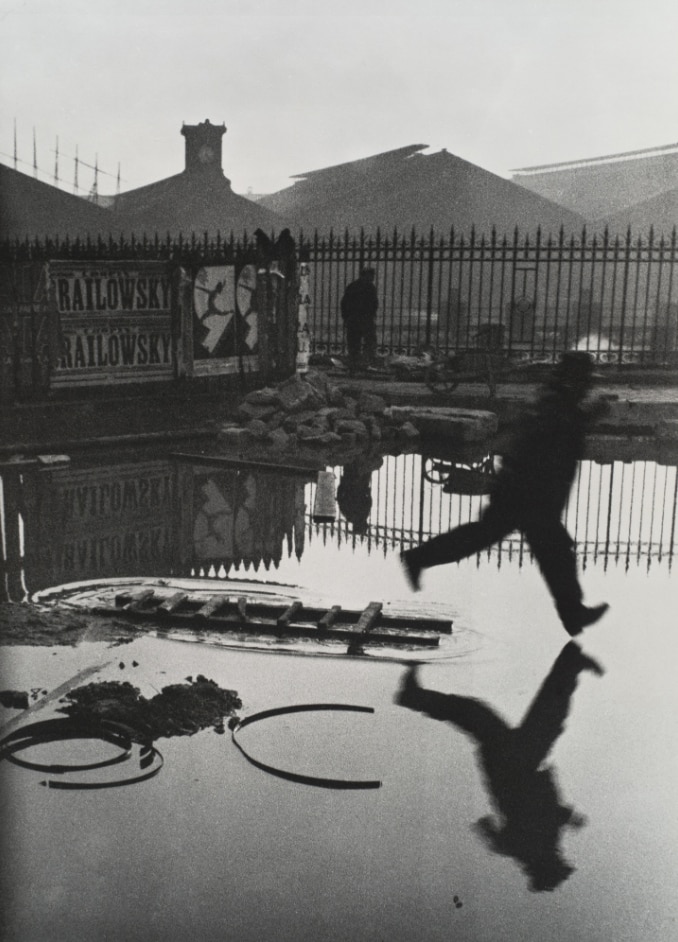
659,213
405,188
30,208
605,186
192,202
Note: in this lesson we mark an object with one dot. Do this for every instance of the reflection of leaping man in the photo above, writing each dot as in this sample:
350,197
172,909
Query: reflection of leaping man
524,792
530,493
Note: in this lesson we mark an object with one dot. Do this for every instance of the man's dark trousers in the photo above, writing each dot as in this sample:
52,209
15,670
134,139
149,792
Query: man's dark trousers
549,540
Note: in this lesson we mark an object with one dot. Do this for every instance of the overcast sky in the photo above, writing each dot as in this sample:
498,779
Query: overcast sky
300,85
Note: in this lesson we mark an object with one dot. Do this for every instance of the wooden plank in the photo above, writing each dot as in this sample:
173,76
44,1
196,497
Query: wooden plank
172,603
284,620
139,599
328,619
352,617
325,503
264,466
313,613
211,606
344,633
370,616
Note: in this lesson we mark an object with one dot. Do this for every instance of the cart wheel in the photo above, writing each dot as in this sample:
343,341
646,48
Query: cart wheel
436,471
441,378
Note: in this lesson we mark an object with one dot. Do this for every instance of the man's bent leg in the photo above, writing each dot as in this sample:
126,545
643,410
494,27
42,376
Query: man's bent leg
457,544
353,337
553,548
370,340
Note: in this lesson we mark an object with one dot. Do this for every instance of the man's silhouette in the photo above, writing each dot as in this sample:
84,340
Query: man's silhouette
354,494
523,790
359,305
530,493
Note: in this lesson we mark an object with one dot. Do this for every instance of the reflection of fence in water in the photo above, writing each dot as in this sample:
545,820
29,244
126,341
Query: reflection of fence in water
616,512
218,521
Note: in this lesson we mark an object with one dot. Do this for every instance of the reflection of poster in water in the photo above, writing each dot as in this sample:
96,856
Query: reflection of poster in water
224,322
242,517
88,523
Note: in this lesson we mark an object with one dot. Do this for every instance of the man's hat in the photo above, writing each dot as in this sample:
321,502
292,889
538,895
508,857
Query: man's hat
576,366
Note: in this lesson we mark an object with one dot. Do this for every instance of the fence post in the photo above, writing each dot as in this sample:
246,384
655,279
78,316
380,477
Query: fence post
429,288
303,330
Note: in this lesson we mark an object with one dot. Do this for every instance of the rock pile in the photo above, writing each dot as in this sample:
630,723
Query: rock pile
312,413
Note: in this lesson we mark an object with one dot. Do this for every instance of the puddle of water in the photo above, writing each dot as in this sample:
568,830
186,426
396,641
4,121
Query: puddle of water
213,847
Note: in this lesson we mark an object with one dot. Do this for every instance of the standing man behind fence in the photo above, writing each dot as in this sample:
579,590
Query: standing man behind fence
359,307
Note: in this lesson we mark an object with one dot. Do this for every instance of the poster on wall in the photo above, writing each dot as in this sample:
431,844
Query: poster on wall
225,320
115,321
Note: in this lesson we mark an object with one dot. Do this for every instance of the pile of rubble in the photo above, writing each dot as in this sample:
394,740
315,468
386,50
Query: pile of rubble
312,413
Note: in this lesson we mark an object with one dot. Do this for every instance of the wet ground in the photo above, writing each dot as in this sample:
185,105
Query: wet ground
526,786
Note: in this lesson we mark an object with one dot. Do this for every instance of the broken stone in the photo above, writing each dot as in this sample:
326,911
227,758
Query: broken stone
320,422
275,421
355,426
396,415
232,436
279,439
247,411
311,437
371,403
407,432
257,429
296,396
318,381
667,430
263,397
292,422
462,425
335,397
374,428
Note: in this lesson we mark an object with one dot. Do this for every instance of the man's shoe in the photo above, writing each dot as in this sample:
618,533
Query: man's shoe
411,569
406,695
582,662
575,623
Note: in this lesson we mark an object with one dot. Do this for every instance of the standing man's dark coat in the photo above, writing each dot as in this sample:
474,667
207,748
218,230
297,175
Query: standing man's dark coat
359,307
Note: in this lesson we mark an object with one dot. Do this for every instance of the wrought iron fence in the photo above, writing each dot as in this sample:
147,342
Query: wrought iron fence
531,296
534,296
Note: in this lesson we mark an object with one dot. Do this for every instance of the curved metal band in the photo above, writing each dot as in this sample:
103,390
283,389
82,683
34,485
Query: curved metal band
318,781
57,730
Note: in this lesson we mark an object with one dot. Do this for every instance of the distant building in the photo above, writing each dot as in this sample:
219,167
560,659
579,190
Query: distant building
404,188
32,209
637,188
197,200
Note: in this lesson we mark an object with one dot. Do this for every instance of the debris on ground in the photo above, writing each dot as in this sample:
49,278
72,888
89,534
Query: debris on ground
178,710
14,699
27,623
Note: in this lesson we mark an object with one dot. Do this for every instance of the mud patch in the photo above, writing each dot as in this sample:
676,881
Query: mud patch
30,624
14,699
178,710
